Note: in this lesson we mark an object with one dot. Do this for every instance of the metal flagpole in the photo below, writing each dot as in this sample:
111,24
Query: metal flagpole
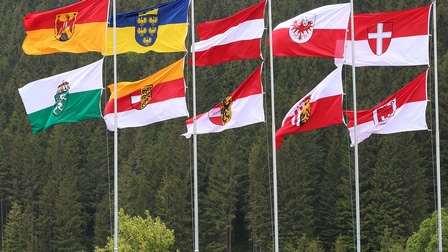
358,222
115,132
195,139
274,153
436,99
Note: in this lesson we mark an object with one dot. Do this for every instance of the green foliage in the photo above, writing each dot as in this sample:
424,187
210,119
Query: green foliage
258,216
140,234
304,244
13,238
426,238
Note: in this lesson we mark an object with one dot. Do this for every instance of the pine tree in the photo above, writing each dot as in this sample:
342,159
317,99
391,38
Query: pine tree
259,213
68,219
173,199
221,201
329,193
299,163
13,230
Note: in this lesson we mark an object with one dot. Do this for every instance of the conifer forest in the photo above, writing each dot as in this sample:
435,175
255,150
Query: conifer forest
56,187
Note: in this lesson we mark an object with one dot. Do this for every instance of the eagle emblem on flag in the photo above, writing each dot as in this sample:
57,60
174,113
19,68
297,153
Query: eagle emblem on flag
61,98
379,37
146,27
302,113
64,25
301,28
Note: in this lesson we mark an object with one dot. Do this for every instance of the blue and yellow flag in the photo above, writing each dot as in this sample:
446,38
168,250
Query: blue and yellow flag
159,28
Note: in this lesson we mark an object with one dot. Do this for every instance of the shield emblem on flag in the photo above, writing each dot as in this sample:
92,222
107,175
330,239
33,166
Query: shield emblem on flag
301,28
379,37
61,98
64,25
302,113
146,27
382,114
140,98
222,115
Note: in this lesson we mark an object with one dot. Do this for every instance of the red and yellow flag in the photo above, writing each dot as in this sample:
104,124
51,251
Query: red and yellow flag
77,28
156,98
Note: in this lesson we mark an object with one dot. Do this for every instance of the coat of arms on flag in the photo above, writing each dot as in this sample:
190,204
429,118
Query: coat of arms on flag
382,114
302,28
379,37
146,26
223,114
302,113
61,98
64,26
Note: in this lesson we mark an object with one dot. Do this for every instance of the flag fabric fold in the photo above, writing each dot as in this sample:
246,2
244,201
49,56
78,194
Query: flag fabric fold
399,38
243,107
64,98
156,98
319,32
159,28
403,111
77,28
237,37
320,108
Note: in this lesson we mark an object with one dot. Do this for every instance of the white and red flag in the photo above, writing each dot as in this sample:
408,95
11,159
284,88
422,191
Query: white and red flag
317,33
320,108
403,111
237,37
243,107
399,38
156,98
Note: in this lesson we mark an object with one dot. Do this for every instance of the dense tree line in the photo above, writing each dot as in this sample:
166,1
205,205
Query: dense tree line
56,186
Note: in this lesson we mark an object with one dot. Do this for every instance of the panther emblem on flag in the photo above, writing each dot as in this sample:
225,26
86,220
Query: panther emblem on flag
222,115
301,28
64,25
146,27
61,98
383,113
302,113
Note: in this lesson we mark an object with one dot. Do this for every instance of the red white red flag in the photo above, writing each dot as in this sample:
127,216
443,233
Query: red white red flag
320,108
237,37
403,111
243,107
317,33
398,38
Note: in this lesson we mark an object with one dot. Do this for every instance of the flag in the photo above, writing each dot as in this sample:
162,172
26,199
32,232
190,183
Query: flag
243,107
320,108
317,33
237,37
156,98
403,111
64,98
398,38
159,28
77,28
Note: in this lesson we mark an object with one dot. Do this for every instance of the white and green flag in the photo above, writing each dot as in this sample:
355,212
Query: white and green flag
64,98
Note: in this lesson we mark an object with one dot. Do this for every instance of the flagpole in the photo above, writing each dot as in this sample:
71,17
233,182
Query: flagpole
195,141
358,222
436,99
115,131
274,151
